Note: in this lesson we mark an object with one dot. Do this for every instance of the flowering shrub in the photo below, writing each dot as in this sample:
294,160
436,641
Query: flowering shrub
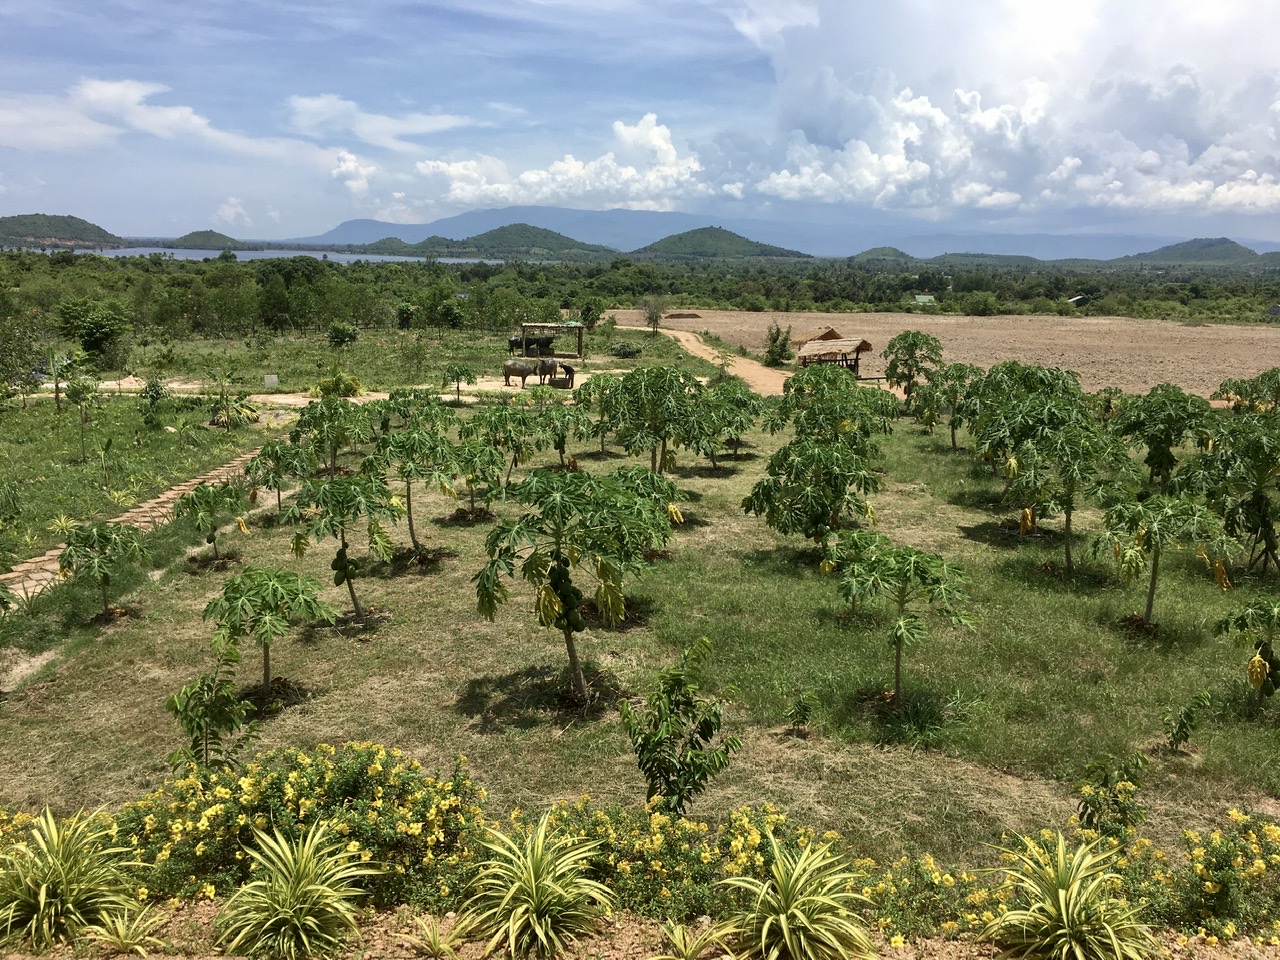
917,897
419,828
665,866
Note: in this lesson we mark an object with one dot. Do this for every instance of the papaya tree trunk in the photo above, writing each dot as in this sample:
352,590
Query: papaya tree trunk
106,603
897,673
408,512
1066,537
575,666
266,670
1151,588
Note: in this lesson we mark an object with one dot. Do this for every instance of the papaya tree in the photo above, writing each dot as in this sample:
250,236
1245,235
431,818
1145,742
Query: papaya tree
944,390
479,464
726,411
206,504
1239,475
333,508
813,487
328,425
458,374
656,410
601,395
99,551
1163,419
263,604
514,430
419,455
1140,531
561,423
913,582
276,463
82,393
573,525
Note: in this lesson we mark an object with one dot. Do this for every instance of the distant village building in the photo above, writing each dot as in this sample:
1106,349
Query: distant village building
926,300
1079,301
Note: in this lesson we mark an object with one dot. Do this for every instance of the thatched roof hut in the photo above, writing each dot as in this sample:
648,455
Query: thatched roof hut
822,333
843,351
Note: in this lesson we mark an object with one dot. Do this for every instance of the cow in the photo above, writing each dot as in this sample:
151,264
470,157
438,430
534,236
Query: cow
529,346
546,368
517,368
568,375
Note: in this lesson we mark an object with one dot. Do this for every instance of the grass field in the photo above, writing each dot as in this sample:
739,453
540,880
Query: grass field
1004,719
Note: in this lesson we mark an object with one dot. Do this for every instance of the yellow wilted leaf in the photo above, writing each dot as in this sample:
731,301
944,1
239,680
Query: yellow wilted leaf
549,605
1258,670
1025,522
1220,574
871,513
1011,468
826,566
674,513
244,527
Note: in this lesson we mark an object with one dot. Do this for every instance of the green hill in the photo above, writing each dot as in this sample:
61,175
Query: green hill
513,242
883,255
713,243
206,240
1219,251
47,230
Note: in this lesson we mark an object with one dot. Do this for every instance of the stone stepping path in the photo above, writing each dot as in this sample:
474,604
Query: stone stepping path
30,577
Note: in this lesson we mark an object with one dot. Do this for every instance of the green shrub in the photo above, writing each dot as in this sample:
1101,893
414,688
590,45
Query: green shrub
803,910
63,881
421,828
533,896
343,334
302,901
1065,908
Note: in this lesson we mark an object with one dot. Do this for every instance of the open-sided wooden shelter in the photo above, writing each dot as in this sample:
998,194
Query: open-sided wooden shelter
530,331
846,352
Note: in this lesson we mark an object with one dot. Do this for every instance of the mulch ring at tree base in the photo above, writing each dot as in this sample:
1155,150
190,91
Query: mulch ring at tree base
284,693
1134,624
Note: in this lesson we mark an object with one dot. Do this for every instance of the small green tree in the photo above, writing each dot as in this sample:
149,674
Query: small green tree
328,425
100,551
572,522
82,393
215,720
675,735
654,308
331,508
277,462
813,488
263,604
909,357
458,374
1162,420
206,504
423,455
906,578
1139,531
777,345
479,463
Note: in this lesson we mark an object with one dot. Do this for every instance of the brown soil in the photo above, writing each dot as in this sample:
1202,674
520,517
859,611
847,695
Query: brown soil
1131,354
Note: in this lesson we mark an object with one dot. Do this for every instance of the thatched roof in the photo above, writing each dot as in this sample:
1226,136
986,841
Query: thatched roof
831,348
822,333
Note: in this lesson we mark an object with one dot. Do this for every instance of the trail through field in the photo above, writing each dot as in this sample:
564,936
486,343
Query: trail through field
763,380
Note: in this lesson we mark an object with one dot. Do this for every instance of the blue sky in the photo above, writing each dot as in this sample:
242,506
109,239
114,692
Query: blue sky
283,118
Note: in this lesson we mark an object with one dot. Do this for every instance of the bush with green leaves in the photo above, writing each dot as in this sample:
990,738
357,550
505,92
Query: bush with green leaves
206,505
421,828
675,735
777,346
625,350
805,909
99,552
302,900
532,896
214,719
342,334
64,880
1066,907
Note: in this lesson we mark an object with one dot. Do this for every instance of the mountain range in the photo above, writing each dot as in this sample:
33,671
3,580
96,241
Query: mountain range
820,236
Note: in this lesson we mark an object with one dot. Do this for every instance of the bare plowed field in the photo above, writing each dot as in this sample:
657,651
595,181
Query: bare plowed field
1133,355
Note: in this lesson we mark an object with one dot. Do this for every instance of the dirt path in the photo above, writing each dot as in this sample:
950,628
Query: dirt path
763,380
30,577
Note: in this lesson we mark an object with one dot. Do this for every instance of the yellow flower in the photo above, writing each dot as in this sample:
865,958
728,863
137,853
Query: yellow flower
208,891
897,942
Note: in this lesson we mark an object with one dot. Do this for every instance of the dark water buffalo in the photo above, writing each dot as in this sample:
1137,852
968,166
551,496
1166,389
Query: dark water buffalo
546,368
517,368
530,346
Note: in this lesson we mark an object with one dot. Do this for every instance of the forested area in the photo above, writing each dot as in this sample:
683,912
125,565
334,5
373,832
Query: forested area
110,305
